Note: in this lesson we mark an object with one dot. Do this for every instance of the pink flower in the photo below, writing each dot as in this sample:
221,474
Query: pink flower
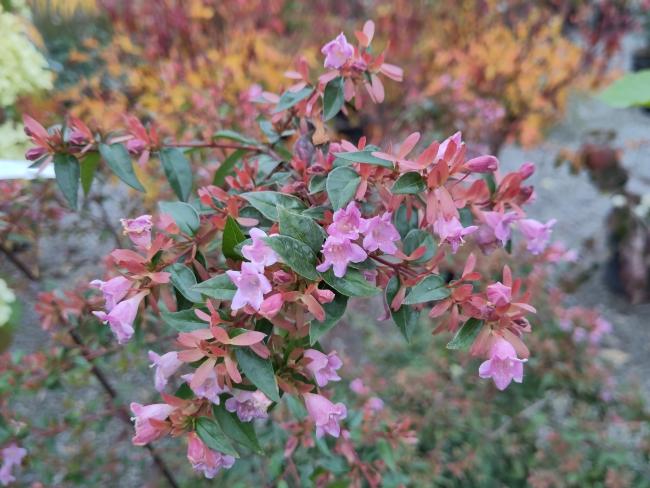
114,290
337,52
324,296
251,286
483,164
499,294
339,253
136,146
323,367
271,305
249,405
209,389
325,414
452,231
496,227
380,233
12,455
35,153
536,233
346,222
258,252
121,317
357,386
374,404
138,230
456,139
147,431
166,365
206,460
503,365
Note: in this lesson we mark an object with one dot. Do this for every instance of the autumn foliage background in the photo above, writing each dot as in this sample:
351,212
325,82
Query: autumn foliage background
502,72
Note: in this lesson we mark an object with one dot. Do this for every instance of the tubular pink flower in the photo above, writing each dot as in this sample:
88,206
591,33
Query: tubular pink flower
248,405
209,389
337,52
145,430
35,153
483,164
12,455
536,234
503,365
339,253
496,227
323,366
452,231
271,305
258,252
325,414
166,365
114,290
499,294
251,286
138,230
121,317
380,233
206,460
346,222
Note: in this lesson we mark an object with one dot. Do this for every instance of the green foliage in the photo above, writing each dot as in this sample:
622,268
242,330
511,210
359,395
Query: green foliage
259,371
232,235
333,98
405,317
431,288
466,334
185,216
409,183
333,313
119,160
68,175
295,254
341,186
632,90
267,202
178,171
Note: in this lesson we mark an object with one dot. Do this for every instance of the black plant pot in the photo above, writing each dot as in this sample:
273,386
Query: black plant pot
641,61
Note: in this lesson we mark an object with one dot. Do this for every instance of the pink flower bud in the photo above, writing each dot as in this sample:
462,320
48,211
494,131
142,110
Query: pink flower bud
483,164
35,153
527,170
281,277
499,294
271,305
121,317
324,296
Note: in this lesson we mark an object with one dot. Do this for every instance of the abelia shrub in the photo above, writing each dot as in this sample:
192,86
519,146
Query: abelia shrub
258,268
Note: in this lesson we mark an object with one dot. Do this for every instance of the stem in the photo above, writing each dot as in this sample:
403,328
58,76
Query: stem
122,413
19,264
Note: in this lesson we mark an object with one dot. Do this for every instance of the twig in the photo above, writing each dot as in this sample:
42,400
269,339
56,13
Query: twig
122,413
19,264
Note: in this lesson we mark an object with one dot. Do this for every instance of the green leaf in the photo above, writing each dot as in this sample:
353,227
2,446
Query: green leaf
235,136
259,371
353,284
333,98
417,238
333,313
68,173
403,223
184,281
185,216
430,288
267,202
317,184
184,320
219,287
341,186
265,166
295,254
213,436
184,392
364,157
226,167
232,235
316,213
240,432
466,334
386,454
303,228
289,99
405,317
88,167
118,159
409,183
178,171
632,90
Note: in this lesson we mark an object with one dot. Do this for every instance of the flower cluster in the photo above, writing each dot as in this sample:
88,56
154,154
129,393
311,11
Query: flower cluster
252,274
